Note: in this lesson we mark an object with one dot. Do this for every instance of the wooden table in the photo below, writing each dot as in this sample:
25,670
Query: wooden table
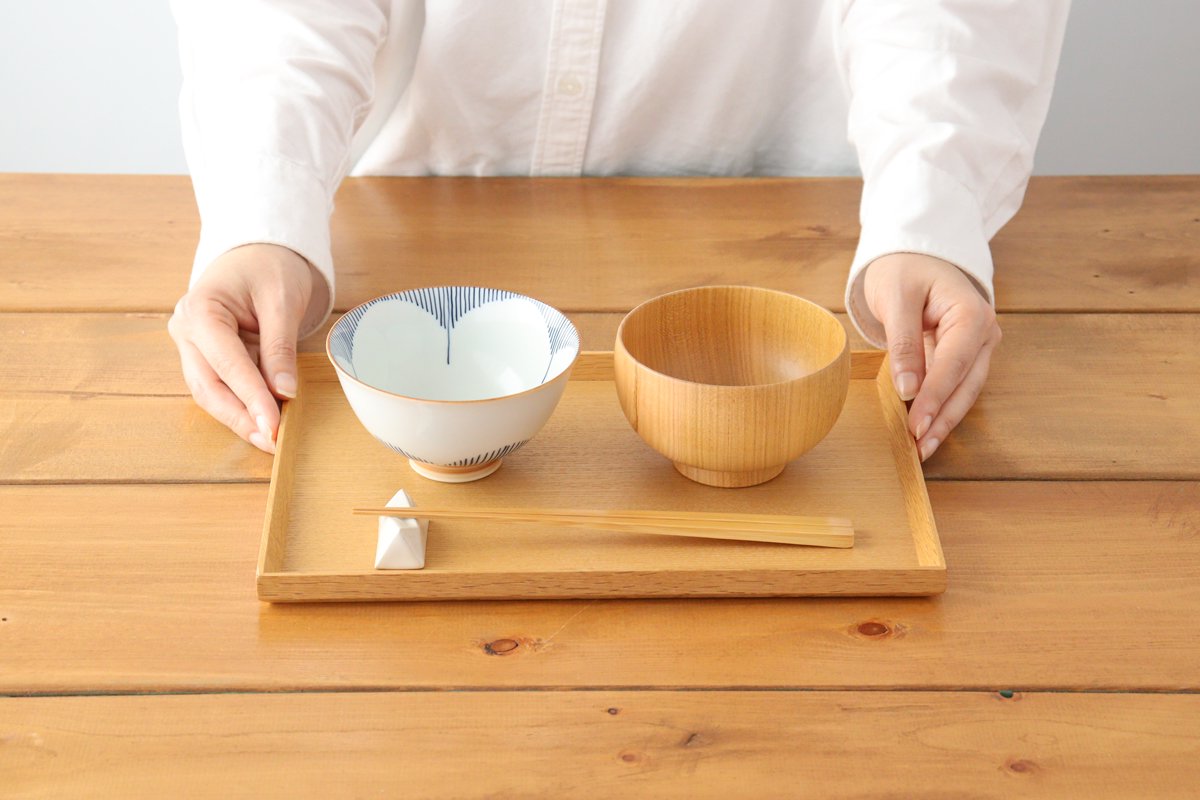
1062,661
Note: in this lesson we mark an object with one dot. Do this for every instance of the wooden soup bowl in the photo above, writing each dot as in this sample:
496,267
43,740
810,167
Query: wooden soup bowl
731,382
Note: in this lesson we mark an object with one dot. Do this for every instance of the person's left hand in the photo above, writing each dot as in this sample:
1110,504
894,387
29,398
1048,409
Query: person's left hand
940,336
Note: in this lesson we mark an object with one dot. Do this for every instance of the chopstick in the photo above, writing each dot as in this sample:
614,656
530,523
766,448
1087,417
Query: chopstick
777,528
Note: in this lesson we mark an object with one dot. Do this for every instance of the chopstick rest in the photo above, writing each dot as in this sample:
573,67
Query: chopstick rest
402,540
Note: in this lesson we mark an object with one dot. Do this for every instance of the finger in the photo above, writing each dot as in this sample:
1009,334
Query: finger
957,349
215,397
960,401
219,344
902,318
278,325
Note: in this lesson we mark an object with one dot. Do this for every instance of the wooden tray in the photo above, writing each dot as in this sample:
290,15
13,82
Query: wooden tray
588,456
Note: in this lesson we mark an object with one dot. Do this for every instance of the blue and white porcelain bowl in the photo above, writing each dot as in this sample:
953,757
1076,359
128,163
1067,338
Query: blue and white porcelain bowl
453,378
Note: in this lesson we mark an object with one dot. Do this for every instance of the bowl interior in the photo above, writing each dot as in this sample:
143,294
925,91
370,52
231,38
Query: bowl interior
454,343
732,336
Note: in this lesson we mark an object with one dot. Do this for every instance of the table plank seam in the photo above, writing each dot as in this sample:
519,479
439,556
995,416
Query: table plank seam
85,394
166,311
1119,479
645,688
133,482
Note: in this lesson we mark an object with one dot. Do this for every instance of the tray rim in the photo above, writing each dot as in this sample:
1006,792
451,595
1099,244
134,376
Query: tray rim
927,578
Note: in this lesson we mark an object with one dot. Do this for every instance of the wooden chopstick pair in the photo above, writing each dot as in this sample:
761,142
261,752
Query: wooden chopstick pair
777,528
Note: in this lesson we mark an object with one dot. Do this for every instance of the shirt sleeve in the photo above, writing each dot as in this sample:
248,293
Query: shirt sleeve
273,91
947,99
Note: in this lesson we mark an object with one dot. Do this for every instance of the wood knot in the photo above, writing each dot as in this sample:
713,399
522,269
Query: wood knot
879,629
612,712
630,757
1022,766
874,629
501,647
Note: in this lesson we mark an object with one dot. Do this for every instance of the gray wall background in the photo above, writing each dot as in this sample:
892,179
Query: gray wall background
90,86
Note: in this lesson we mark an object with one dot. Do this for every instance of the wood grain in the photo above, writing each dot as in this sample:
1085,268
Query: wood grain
908,470
1081,244
731,383
779,528
604,744
152,589
1102,243
283,484
1133,373
88,354
101,438
1084,396
136,588
90,242
328,552
119,353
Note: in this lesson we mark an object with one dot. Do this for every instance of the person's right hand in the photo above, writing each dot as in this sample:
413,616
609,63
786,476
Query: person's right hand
236,332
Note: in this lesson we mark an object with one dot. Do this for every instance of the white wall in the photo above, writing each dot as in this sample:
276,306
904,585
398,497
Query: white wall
1127,99
91,87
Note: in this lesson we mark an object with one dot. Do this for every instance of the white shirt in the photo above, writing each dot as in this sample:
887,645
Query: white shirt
939,103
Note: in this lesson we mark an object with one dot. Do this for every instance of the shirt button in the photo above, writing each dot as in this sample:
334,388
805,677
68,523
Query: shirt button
570,85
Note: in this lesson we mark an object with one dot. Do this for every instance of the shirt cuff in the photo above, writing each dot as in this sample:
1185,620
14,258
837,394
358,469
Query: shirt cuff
916,208
268,201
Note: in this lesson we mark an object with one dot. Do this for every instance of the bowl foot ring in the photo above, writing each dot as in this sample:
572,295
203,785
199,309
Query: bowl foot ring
728,480
455,474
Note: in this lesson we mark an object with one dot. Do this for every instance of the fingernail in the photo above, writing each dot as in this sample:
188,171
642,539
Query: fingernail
262,443
923,426
264,427
285,384
929,448
906,385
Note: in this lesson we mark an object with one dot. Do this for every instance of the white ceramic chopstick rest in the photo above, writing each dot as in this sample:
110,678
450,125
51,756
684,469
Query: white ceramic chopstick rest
401,541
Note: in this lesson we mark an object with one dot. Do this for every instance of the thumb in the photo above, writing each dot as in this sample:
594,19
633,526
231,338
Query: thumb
902,315
278,328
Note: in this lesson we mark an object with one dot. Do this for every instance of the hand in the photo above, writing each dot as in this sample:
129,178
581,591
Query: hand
940,336
236,333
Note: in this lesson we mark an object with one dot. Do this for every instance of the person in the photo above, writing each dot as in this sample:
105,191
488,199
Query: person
939,101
